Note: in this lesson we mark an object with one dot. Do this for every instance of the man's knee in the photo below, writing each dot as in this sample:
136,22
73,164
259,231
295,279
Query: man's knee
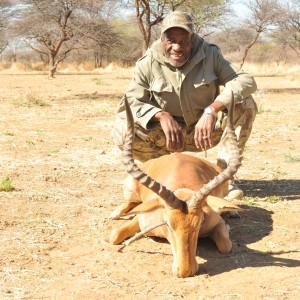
147,144
249,109
118,133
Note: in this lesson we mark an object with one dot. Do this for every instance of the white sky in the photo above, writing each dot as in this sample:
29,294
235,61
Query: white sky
240,8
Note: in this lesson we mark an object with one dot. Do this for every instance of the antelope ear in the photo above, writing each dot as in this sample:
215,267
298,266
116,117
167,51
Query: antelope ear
145,207
184,194
220,205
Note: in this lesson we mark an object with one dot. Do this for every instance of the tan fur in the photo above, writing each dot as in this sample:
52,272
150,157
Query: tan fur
184,175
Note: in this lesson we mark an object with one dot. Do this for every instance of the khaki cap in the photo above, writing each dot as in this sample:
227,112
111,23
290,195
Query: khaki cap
177,19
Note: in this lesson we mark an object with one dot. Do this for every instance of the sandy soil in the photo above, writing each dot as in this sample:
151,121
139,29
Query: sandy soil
67,177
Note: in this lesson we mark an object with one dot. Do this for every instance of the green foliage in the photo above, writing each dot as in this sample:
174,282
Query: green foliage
30,100
273,199
248,229
291,158
6,185
40,131
205,13
252,201
262,50
98,81
8,133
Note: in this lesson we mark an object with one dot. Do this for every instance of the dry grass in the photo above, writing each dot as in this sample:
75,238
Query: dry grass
41,68
262,70
68,178
270,70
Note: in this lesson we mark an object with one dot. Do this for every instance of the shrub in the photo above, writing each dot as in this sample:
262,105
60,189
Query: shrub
6,185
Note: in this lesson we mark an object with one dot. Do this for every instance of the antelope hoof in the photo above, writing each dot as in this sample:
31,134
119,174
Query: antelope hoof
234,193
115,215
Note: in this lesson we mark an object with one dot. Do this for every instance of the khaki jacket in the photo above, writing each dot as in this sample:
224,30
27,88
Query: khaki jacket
184,92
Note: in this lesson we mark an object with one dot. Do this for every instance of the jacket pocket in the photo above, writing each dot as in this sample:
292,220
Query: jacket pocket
161,91
205,81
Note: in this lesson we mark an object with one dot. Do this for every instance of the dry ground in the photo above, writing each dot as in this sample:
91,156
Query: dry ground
67,177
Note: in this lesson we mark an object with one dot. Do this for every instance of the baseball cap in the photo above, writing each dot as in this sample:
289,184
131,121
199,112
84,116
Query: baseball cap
177,19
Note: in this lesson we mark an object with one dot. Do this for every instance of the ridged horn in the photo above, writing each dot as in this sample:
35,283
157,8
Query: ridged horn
131,167
232,166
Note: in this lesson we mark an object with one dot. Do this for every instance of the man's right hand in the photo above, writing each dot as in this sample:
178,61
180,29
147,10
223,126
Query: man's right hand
172,130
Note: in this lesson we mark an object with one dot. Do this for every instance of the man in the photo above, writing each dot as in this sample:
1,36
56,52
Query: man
175,97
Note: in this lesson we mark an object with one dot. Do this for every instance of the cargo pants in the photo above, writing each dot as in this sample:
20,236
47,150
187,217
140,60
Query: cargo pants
150,144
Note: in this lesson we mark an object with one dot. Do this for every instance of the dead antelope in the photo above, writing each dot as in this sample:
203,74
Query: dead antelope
183,194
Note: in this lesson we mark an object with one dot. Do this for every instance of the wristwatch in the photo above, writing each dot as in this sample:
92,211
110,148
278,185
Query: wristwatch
210,111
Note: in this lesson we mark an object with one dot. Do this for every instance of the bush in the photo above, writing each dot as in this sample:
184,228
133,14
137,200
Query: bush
6,185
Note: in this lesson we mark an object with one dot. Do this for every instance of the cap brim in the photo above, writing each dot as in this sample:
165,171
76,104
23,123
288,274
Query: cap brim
186,28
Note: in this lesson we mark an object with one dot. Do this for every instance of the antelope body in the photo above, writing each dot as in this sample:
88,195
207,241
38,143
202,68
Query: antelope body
185,193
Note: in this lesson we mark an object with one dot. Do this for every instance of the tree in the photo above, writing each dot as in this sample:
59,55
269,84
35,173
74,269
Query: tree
5,13
151,12
55,28
97,34
206,14
262,15
148,14
233,39
45,25
129,51
288,22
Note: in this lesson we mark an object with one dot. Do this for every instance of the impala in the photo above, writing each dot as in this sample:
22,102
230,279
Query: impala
178,197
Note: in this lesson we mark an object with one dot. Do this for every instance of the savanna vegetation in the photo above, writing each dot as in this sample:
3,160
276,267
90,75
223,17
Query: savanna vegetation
45,35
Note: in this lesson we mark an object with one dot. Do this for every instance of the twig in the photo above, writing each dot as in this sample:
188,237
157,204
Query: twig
114,283
139,234
141,294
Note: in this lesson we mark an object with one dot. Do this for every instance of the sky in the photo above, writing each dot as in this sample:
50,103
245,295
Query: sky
240,8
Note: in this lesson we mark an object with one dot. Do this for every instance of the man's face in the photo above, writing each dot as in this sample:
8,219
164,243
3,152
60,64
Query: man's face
178,44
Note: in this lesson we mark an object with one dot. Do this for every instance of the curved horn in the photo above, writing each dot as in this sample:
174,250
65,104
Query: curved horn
232,166
137,173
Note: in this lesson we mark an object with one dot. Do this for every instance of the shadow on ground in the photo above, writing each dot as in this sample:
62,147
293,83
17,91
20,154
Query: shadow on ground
289,189
255,224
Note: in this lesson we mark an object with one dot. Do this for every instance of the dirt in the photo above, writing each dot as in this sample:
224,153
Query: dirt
67,177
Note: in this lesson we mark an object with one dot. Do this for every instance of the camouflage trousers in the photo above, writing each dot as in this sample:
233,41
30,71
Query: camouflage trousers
150,144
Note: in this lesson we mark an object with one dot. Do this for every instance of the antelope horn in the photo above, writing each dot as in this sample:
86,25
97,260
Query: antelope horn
131,167
232,166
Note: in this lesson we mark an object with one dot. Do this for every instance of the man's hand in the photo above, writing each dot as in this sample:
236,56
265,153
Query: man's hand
205,126
172,130
203,131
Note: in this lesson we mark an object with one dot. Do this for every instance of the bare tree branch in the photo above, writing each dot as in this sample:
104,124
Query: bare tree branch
262,15
61,26
288,22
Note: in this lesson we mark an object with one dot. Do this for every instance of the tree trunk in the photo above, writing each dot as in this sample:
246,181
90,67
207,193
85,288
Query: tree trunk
145,45
52,65
248,48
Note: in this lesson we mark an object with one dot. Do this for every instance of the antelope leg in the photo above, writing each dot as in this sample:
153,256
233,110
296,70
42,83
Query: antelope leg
220,235
129,229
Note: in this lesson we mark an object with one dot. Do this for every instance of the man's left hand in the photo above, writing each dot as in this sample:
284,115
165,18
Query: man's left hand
203,131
